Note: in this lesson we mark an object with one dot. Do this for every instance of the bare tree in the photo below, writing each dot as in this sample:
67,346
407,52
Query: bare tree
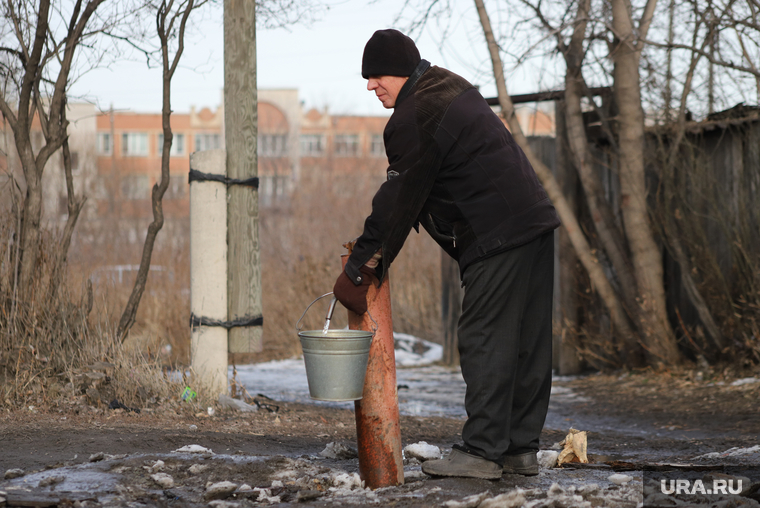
569,220
602,215
628,41
171,18
647,59
74,206
35,70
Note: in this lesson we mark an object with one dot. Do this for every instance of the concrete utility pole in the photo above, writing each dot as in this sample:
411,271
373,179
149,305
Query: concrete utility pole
208,272
241,129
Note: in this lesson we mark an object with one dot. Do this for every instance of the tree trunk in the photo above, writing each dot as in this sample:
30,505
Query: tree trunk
53,122
601,214
659,339
569,221
164,26
566,359
30,233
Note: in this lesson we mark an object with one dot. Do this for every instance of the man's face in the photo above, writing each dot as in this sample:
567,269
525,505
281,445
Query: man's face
386,88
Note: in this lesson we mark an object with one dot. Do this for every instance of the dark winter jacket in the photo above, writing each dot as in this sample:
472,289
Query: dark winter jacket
455,169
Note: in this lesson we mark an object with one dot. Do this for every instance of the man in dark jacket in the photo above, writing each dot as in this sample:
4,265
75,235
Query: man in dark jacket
455,169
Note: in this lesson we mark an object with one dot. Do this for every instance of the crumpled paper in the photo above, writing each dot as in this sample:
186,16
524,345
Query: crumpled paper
574,447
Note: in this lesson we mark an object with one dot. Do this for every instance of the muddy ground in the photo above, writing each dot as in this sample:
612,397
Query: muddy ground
90,456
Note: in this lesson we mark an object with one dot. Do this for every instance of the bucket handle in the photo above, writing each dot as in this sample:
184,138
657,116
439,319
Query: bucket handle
330,312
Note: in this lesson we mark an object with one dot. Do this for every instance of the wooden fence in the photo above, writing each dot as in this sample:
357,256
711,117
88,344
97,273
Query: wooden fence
723,197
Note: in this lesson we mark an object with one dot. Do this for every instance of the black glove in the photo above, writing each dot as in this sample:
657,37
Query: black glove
354,297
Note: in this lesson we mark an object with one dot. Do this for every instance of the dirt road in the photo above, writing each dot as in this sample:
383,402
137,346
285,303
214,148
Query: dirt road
100,457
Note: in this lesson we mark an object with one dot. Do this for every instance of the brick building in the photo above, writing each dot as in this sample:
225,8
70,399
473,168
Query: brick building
116,155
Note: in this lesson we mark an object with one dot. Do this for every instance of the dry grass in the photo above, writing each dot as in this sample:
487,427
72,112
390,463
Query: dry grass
301,258
48,346
61,347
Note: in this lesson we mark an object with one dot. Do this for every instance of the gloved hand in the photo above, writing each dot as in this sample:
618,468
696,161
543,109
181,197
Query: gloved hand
353,297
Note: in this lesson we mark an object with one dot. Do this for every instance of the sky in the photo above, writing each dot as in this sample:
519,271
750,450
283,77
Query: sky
322,60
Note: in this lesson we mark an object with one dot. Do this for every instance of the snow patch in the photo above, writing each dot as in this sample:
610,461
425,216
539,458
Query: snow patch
197,468
620,479
468,502
745,381
164,480
220,490
193,448
731,452
547,459
422,451
338,451
413,352
511,499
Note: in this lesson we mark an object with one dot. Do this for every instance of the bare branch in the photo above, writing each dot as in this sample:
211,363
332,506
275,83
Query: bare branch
749,61
646,19
32,65
706,55
570,222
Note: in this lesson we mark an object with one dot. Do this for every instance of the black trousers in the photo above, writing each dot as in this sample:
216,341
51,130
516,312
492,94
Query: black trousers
505,348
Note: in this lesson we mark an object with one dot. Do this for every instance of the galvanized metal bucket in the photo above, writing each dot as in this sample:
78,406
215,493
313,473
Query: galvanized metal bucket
336,360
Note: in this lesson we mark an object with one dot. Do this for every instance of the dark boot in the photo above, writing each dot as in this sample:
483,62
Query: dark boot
459,463
525,464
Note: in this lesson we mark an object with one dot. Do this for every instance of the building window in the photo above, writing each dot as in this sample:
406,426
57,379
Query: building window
178,145
134,144
273,145
347,145
377,146
208,141
177,186
312,145
105,143
134,187
281,183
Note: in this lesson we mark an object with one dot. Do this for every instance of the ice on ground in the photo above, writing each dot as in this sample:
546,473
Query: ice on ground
565,394
157,466
422,451
347,481
220,503
265,496
193,448
338,451
468,502
620,479
228,402
220,490
164,480
308,475
745,381
414,474
423,390
731,452
511,499
197,468
413,352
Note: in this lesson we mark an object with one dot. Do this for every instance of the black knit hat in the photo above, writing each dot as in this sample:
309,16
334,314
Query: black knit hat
389,53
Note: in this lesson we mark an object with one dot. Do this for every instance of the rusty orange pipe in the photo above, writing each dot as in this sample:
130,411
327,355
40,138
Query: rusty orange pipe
378,432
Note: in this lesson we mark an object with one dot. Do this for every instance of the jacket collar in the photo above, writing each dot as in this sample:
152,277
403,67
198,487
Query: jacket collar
423,66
